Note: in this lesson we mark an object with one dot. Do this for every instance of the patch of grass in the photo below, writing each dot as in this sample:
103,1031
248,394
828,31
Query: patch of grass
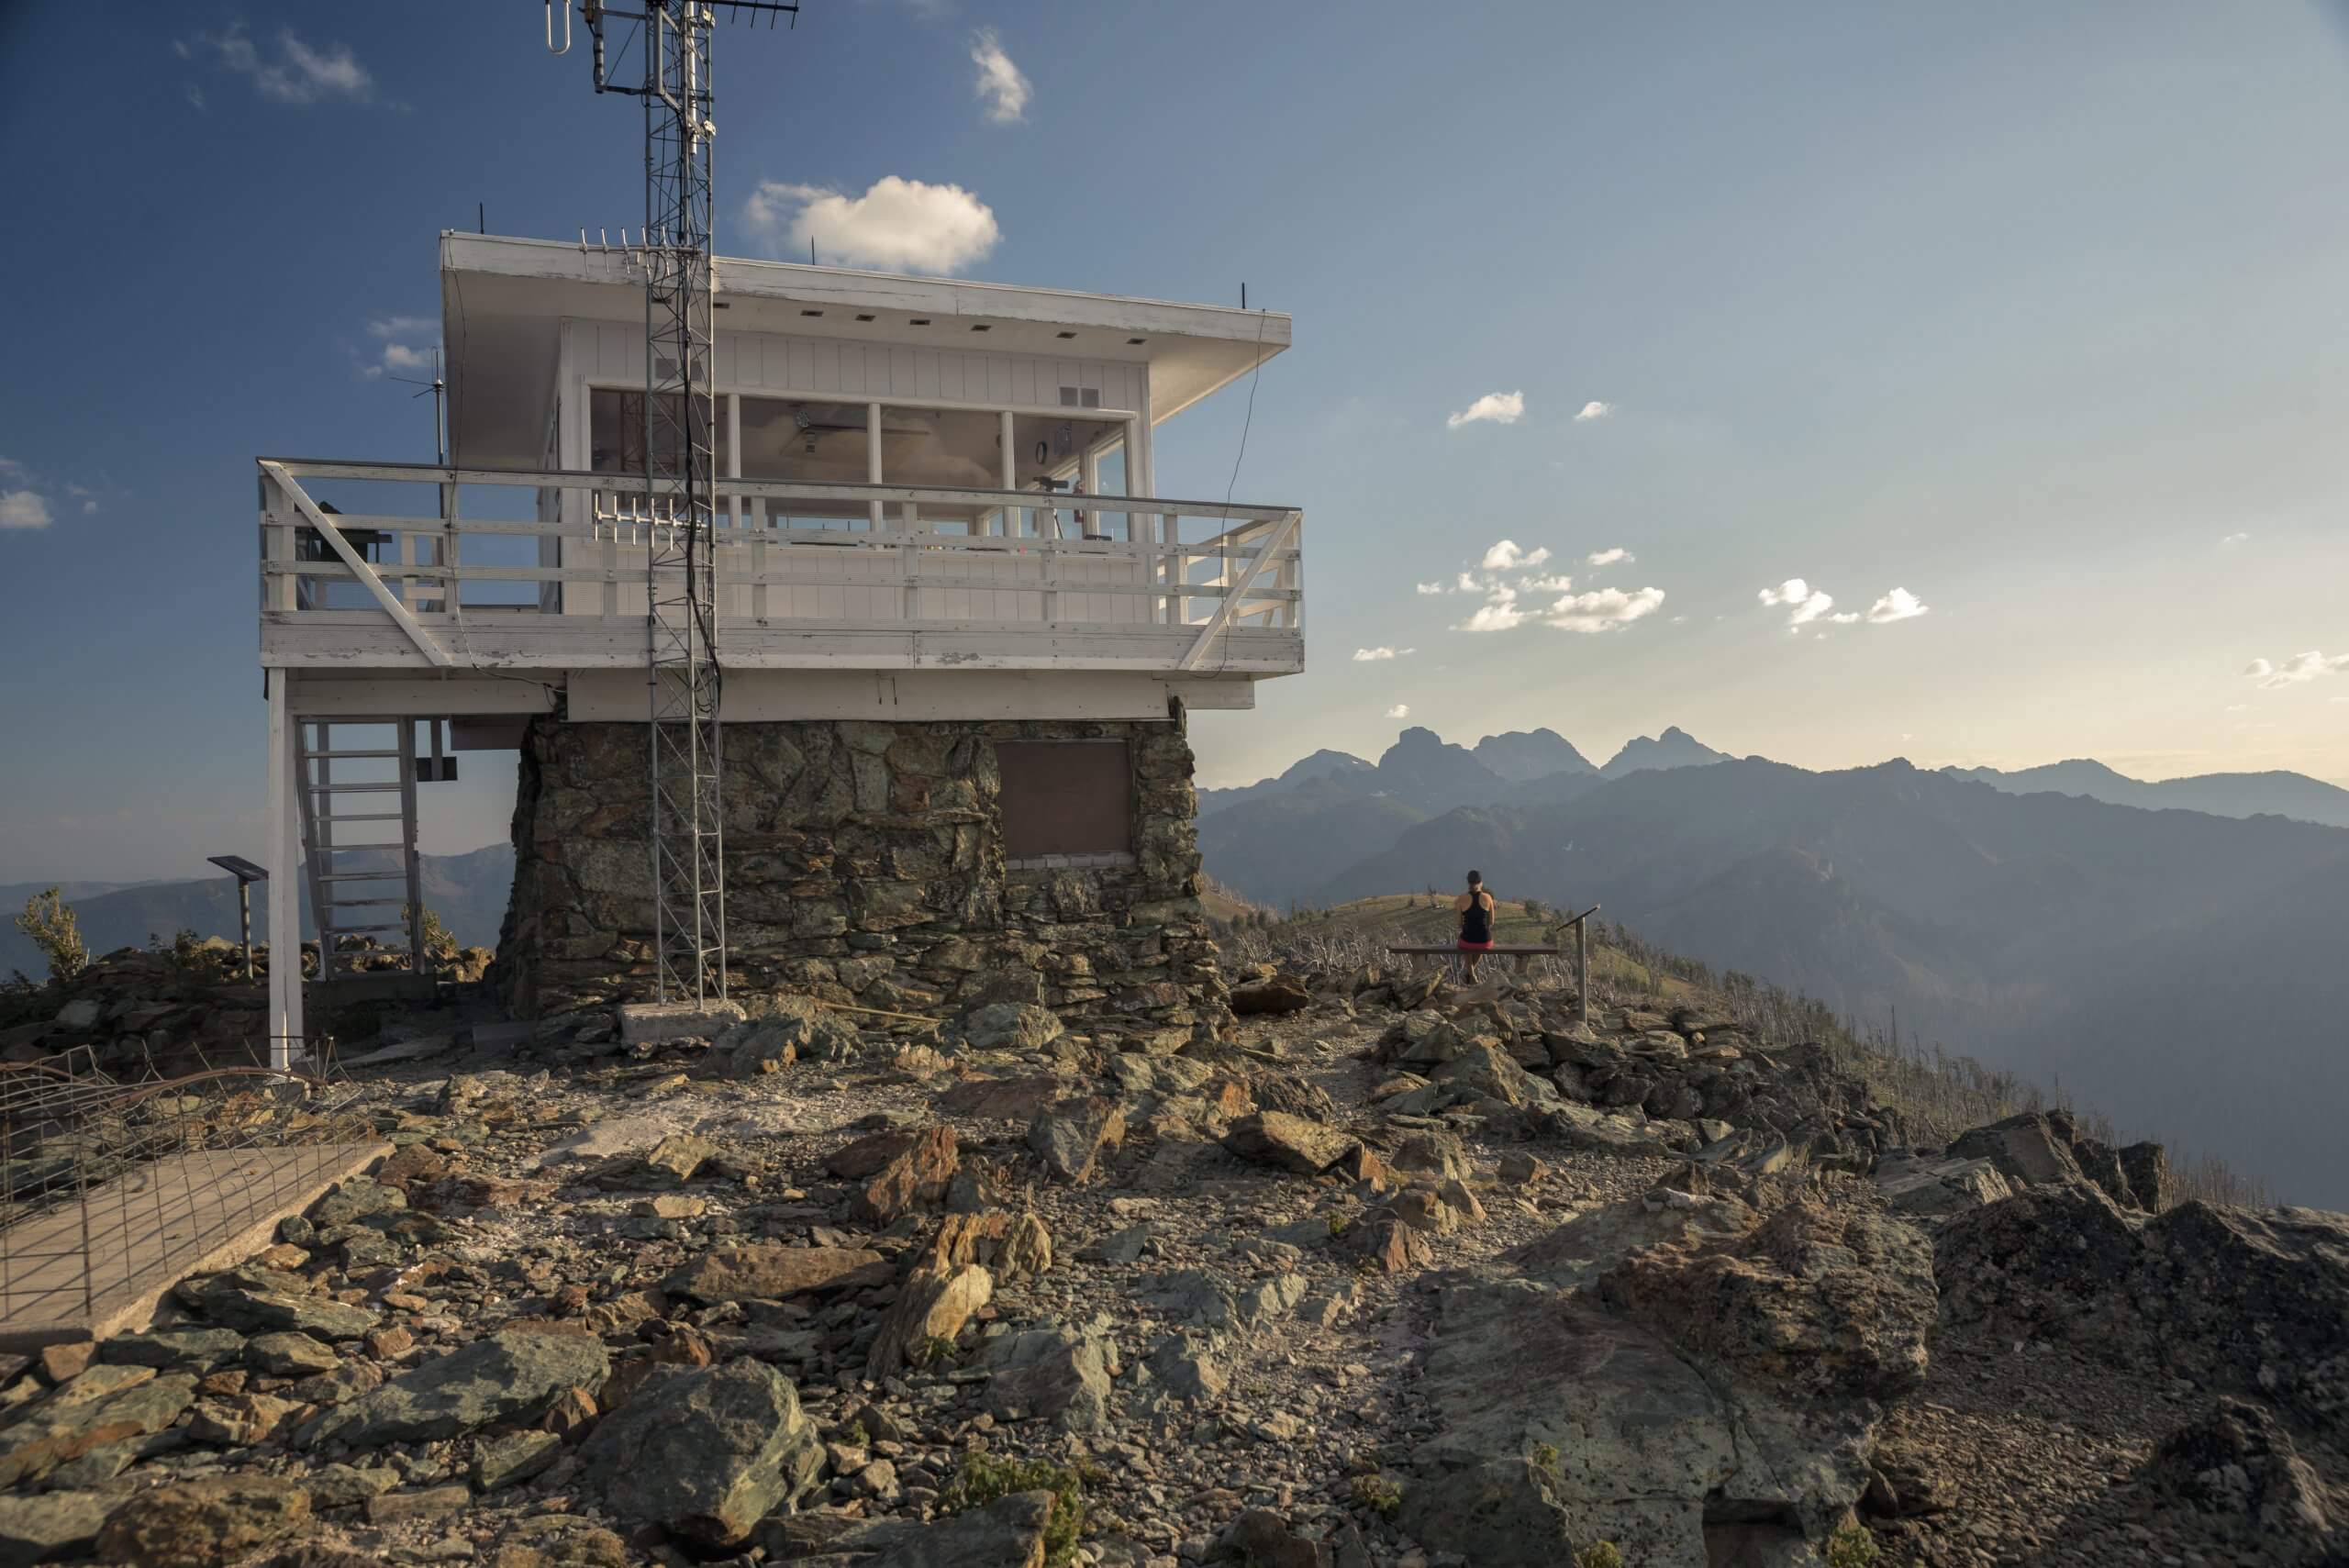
1340,1224
1852,1546
1599,1555
1545,1458
986,1477
932,1350
1378,1496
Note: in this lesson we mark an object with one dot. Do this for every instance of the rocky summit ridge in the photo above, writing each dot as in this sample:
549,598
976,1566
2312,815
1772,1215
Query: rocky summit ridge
1391,1273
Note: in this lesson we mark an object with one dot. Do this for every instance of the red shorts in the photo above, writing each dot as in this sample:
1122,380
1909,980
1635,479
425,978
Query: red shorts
1475,946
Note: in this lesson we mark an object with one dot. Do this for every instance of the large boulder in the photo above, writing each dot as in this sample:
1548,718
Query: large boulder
792,1028
1007,1533
1059,1374
1021,1026
1560,1426
2054,1263
705,1453
513,1375
95,1422
2254,1300
1834,1302
2235,1473
2028,1149
195,1524
1274,993
1291,1142
766,1271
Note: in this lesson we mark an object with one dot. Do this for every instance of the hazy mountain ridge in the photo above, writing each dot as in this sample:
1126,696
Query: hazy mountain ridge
468,892
2174,967
2273,793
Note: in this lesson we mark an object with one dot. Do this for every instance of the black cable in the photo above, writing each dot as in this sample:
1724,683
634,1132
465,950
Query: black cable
1250,421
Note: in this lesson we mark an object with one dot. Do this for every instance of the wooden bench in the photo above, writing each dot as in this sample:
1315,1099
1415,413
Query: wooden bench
1521,951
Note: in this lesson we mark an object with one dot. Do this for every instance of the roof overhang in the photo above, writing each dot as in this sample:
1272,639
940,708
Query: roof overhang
502,300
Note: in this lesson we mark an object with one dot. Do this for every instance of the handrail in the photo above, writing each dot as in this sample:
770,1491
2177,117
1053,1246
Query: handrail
771,489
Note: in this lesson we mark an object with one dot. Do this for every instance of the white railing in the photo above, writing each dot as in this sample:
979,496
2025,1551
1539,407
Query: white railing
568,549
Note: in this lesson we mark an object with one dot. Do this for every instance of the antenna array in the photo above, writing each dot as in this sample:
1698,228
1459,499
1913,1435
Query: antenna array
683,676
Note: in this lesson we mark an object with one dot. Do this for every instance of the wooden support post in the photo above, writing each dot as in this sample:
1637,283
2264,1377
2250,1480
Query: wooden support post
286,1040
873,462
1010,472
1582,970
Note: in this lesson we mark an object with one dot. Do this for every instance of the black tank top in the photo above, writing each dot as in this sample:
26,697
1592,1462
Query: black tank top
1477,920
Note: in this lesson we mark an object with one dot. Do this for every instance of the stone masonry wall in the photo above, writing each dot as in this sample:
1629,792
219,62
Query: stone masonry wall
864,863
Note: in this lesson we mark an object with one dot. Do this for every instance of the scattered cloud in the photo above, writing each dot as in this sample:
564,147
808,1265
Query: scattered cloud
407,344
1369,655
1617,556
1506,557
195,95
295,74
1594,409
1000,86
1899,604
11,469
23,509
2235,538
2236,707
1465,584
1603,610
2295,671
896,224
1494,408
1497,612
1804,603
1438,587
1400,711
1554,584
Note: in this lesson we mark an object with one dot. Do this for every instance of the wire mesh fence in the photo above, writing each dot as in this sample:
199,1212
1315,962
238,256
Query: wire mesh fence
112,1183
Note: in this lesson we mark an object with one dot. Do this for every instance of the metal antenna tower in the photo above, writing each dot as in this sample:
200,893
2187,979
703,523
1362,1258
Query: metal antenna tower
682,675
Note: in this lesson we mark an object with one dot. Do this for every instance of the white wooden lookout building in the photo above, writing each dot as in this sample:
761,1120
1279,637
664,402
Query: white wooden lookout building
938,512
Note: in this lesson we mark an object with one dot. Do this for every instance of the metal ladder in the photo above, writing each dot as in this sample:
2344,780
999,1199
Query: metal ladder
361,883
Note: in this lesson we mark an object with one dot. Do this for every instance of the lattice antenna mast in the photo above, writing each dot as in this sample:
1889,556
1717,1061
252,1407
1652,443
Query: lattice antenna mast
683,676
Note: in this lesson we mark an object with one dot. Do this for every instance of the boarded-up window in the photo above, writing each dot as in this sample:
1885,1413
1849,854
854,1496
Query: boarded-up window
1065,797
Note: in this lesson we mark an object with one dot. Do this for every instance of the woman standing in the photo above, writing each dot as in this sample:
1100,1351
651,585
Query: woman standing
1476,907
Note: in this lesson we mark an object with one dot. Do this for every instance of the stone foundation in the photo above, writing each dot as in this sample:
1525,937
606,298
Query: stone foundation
865,863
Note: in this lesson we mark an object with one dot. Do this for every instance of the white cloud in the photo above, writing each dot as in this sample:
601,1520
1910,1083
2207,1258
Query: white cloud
1434,587
1617,556
897,223
1499,613
1000,86
1899,604
1506,557
2235,538
1804,603
1465,583
1554,584
297,74
1604,609
399,357
402,325
195,95
88,507
2292,672
1400,711
1594,409
1369,655
11,469
1494,408
23,509
409,343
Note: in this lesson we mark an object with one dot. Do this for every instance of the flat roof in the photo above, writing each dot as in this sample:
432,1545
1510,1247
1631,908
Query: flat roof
502,298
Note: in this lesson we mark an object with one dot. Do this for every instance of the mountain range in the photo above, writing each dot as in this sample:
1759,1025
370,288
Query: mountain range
2173,967
468,892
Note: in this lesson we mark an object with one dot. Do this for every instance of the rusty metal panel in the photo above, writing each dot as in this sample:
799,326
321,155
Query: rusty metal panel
1066,797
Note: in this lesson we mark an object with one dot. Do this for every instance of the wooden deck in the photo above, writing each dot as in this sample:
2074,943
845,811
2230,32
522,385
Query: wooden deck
100,1265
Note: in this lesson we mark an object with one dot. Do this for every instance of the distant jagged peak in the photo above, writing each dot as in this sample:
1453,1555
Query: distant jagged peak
1523,755
1322,763
1675,748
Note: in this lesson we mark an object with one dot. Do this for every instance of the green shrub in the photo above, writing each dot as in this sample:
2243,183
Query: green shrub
49,920
985,1477
1851,1547
1599,1555
1378,1496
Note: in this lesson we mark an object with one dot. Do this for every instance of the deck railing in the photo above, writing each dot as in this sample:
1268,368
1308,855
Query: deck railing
340,539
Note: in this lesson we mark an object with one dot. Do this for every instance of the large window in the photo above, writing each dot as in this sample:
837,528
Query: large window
616,433
1065,797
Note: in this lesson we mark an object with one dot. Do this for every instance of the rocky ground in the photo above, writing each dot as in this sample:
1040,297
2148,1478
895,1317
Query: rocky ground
1392,1275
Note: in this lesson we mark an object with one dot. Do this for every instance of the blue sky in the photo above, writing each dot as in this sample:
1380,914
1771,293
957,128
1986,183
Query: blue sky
2035,314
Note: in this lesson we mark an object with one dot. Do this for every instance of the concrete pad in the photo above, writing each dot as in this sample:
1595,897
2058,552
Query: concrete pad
99,1265
642,1023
